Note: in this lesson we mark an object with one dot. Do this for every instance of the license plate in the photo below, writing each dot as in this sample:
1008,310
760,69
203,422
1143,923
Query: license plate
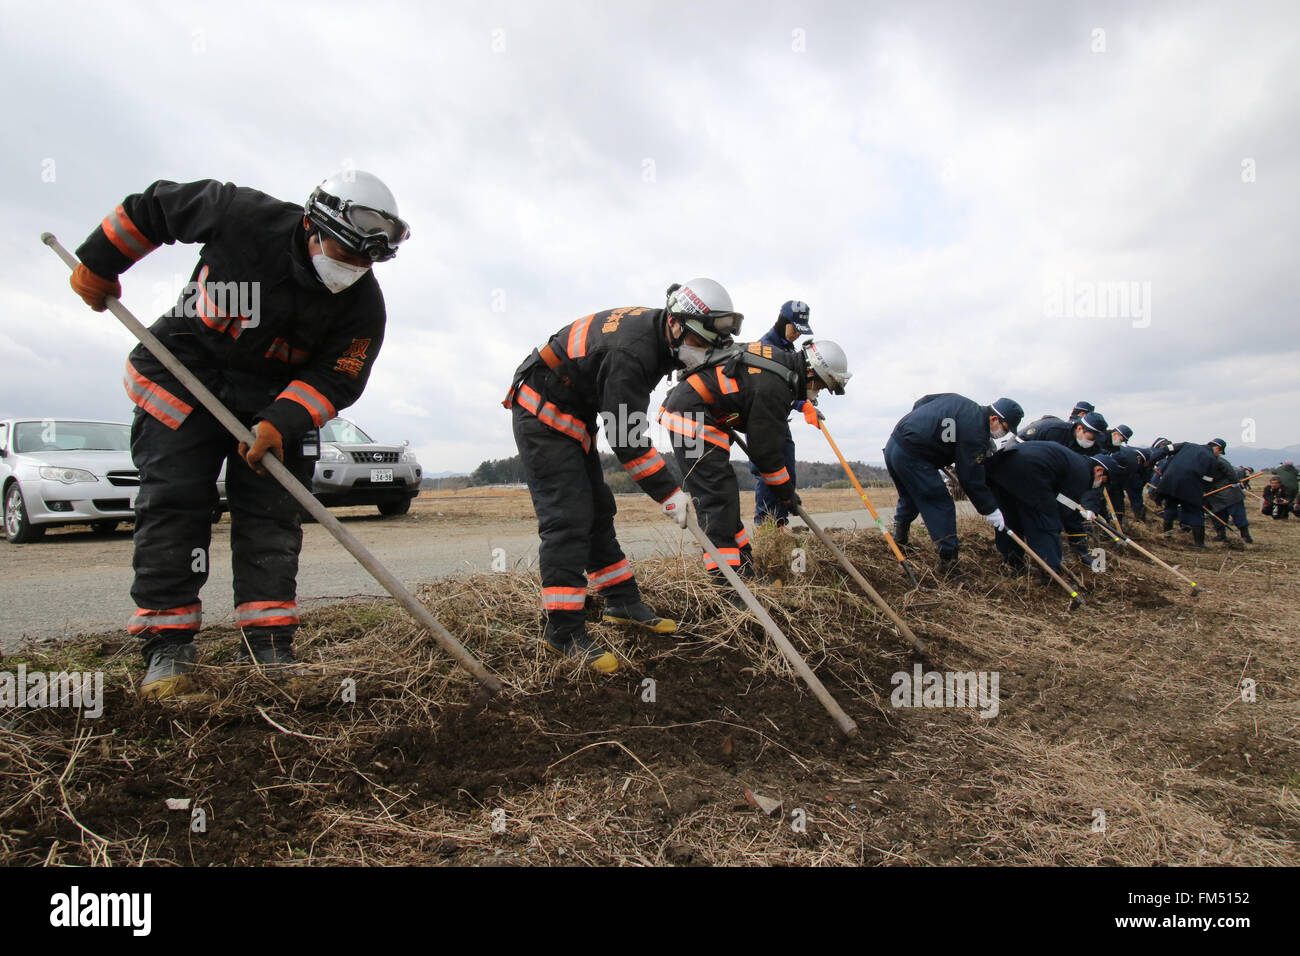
381,474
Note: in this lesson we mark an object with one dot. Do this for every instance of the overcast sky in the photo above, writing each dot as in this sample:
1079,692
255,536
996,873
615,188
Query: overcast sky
947,185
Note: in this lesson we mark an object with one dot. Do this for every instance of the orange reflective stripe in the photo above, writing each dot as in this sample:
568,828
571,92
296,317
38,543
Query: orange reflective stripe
155,399
577,346
318,406
185,618
616,573
267,613
717,436
726,383
550,414
776,477
742,538
730,555
689,428
124,234
697,383
564,599
645,466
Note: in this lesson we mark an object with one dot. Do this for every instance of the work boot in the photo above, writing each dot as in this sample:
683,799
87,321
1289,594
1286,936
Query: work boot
1140,514
1218,533
637,612
1245,535
1168,527
1198,537
579,646
901,532
949,571
168,673
270,650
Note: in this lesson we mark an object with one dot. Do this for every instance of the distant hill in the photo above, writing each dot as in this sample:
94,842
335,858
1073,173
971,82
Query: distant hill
809,474
1256,458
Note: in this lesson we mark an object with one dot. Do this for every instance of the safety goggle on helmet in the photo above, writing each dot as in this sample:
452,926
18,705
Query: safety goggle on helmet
357,210
704,307
828,362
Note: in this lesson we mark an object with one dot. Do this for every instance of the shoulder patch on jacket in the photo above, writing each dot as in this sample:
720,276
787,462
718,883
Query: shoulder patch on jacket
353,360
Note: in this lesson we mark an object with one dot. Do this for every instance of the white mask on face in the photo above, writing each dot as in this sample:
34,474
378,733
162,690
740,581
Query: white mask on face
692,355
1086,443
336,275
1096,481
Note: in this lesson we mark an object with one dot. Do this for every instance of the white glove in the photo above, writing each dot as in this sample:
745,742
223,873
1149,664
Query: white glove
1086,514
995,518
676,507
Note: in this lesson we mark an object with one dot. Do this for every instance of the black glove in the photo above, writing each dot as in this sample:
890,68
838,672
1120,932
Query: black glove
789,498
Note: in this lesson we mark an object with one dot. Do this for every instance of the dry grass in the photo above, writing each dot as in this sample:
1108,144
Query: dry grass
1129,706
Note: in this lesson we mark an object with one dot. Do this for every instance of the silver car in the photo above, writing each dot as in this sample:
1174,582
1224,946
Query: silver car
56,472
354,469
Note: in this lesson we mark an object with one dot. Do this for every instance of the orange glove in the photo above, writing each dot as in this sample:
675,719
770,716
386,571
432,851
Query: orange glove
94,288
811,415
266,437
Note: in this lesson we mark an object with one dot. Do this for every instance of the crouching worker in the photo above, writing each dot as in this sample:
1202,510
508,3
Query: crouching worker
1277,503
750,389
282,320
1026,479
1227,502
603,366
1182,483
941,430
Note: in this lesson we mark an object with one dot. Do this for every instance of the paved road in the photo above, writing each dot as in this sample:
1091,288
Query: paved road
76,583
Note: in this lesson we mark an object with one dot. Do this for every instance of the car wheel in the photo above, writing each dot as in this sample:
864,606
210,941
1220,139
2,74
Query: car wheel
18,527
390,509
103,527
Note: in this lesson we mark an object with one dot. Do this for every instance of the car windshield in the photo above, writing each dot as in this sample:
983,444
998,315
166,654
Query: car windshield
54,435
343,432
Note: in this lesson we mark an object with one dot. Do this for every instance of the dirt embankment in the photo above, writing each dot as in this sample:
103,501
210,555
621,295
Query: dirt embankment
1121,735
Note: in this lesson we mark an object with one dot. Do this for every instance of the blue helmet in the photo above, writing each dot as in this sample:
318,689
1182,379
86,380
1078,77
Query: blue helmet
796,313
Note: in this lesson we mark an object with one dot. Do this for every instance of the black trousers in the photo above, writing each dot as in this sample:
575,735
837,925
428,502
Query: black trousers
711,482
173,530
575,519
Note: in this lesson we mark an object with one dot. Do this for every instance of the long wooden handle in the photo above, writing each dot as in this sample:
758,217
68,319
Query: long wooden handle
821,425
842,720
1075,597
918,645
291,484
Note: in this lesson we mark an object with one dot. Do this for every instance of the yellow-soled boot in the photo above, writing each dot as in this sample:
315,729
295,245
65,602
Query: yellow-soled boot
579,646
168,675
640,614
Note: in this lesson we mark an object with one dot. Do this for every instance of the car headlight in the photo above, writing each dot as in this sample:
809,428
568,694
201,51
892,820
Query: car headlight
409,456
69,476
330,453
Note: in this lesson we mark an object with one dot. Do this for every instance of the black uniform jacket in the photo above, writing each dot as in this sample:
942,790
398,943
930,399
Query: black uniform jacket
747,398
255,324
603,366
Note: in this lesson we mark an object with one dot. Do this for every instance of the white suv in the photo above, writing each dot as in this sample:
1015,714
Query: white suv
55,472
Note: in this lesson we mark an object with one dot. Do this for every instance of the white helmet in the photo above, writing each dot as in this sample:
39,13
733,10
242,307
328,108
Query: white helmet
356,209
828,362
704,307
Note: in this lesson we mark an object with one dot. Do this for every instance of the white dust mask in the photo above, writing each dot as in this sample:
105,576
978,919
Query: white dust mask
336,275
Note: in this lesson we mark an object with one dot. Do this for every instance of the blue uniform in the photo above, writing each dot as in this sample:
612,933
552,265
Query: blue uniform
1183,482
767,505
942,429
1026,479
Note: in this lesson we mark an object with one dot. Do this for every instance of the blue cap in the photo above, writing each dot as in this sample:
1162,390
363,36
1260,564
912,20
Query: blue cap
796,313
1009,410
1094,422
1108,464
